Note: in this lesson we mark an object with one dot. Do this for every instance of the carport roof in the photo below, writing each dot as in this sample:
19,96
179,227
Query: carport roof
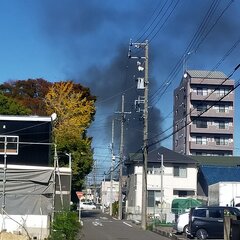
215,174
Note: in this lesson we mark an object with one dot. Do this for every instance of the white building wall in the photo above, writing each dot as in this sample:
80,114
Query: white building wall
106,192
169,183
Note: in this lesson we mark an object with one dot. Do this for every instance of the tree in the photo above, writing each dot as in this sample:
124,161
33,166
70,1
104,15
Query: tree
10,107
74,114
29,93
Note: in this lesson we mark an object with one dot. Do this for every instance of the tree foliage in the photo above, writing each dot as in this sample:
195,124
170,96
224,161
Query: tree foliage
29,93
10,107
74,115
74,106
65,226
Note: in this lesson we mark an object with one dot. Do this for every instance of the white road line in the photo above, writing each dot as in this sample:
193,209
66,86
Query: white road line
127,224
115,218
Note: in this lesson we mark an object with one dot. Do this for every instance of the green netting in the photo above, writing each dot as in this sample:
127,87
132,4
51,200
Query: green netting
180,205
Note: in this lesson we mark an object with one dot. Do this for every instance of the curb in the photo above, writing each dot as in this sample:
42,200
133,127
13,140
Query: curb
168,234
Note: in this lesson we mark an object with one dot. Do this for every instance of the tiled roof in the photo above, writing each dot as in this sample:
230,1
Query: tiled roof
206,74
169,156
213,174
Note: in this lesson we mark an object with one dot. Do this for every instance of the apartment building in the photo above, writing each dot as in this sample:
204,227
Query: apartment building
204,114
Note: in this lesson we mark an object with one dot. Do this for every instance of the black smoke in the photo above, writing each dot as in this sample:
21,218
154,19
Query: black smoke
94,37
117,79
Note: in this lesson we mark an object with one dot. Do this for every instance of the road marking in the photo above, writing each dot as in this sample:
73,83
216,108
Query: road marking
115,218
97,224
127,224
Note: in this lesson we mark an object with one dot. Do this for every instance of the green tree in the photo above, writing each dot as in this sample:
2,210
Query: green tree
74,115
10,107
65,226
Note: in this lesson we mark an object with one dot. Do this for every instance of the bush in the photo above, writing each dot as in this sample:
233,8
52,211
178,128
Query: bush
65,226
115,209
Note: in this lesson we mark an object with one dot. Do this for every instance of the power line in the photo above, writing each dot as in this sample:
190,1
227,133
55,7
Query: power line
192,46
199,115
230,75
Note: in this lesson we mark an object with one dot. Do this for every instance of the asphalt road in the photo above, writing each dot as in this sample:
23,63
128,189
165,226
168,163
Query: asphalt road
98,226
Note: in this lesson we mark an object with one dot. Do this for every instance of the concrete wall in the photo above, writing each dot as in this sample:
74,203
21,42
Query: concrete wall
36,225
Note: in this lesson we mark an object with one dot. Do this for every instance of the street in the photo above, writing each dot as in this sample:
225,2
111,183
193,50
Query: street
98,226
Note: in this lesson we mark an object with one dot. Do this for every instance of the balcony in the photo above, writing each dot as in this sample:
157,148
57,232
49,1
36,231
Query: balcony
211,146
212,113
212,97
211,130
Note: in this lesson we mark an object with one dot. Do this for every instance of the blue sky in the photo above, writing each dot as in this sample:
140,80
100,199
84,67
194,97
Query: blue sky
87,40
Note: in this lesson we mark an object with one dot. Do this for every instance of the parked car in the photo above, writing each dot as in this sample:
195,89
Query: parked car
87,206
207,222
181,224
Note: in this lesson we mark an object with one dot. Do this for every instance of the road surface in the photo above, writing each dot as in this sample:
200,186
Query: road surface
98,226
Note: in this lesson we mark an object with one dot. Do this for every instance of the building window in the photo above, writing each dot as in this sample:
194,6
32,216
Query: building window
221,141
201,124
180,171
183,193
201,108
222,108
154,170
222,125
201,140
153,197
199,91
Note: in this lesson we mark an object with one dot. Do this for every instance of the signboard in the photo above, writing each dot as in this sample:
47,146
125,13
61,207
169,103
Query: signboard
80,195
9,145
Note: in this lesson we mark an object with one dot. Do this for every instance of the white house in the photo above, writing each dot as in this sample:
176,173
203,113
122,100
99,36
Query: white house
179,180
107,195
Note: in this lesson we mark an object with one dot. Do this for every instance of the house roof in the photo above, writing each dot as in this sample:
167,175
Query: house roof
215,174
206,74
154,156
217,160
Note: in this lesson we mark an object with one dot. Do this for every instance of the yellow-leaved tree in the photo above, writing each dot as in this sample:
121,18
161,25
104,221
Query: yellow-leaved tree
75,111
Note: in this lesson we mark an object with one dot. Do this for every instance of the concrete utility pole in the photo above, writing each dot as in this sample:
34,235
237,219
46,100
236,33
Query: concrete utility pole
145,143
145,128
111,174
121,159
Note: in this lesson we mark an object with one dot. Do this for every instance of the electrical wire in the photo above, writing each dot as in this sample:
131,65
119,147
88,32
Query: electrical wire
192,46
199,115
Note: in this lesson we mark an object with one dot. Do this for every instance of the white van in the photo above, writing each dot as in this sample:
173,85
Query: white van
181,225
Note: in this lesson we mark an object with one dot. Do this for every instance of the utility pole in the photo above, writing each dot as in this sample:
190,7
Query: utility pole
103,193
121,159
162,187
111,174
145,127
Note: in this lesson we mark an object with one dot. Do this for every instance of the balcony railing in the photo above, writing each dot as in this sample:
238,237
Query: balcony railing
211,129
212,113
212,97
211,146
